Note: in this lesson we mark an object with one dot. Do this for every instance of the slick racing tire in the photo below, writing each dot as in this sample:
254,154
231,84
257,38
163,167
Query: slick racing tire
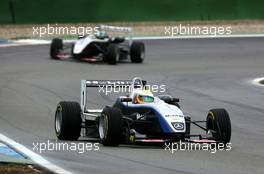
112,55
68,120
137,52
219,122
55,47
110,126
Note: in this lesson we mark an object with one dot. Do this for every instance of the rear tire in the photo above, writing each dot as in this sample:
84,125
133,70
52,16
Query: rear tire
55,47
112,55
218,120
110,126
68,120
137,52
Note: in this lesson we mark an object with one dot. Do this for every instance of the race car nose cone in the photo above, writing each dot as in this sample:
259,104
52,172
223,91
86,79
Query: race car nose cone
178,125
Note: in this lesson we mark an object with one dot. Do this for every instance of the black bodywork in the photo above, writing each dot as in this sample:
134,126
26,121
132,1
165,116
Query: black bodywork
95,49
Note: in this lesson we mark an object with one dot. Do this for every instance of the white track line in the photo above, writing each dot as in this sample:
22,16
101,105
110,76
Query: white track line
199,36
33,156
257,80
23,42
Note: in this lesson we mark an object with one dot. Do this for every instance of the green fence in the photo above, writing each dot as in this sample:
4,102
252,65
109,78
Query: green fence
73,11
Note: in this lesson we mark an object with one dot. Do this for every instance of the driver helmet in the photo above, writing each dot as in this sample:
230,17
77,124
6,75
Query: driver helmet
101,34
143,96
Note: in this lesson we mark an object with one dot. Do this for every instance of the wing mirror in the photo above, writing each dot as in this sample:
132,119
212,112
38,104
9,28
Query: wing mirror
127,99
175,100
80,36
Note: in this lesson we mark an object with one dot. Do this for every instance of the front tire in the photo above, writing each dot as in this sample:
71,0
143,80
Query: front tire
112,55
110,126
68,120
219,122
137,52
55,47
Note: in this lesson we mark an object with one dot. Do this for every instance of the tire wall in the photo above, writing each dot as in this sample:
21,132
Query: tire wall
79,11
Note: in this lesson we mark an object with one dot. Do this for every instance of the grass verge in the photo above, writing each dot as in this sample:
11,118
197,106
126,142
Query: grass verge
20,169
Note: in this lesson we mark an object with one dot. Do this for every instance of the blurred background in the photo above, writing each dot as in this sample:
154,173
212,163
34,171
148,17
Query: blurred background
245,16
75,11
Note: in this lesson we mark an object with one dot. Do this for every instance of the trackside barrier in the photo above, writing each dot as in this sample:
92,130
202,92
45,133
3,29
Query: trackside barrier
78,11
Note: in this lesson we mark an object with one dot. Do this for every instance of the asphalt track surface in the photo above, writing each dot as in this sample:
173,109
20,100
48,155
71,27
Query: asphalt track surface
204,73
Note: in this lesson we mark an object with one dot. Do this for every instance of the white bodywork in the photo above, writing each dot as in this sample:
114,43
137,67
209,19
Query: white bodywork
167,114
82,43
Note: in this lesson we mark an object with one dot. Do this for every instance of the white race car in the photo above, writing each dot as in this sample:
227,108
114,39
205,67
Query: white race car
137,117
101,47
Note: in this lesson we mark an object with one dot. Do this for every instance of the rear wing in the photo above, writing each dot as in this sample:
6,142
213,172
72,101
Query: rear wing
115,28
107,83
127,30
104,83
